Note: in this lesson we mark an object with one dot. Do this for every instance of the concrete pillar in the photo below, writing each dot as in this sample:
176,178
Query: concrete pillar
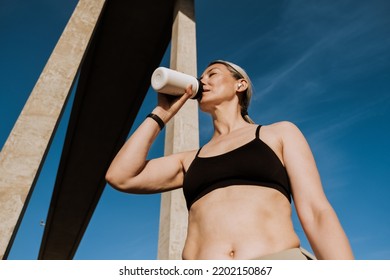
182,132
24,151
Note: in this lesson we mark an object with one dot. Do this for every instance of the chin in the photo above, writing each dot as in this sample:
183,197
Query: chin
204,107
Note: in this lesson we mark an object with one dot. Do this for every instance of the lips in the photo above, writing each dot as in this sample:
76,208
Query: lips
205,90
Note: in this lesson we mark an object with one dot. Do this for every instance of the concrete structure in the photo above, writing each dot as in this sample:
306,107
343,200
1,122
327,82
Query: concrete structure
24,151
114,76
182,132
128,44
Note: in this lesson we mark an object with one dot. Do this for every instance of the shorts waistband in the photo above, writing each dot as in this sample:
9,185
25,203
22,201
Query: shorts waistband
289,254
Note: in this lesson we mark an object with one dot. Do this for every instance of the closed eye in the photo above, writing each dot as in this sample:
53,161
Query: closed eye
210,72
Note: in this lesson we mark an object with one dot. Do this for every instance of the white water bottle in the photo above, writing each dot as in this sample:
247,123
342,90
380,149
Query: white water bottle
168,81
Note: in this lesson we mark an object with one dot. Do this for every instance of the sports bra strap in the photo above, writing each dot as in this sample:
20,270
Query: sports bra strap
258,132
197,153
257,136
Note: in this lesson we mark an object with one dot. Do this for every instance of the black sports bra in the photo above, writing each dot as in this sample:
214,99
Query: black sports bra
253,163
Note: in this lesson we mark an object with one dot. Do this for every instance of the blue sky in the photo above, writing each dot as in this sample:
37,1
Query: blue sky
324,65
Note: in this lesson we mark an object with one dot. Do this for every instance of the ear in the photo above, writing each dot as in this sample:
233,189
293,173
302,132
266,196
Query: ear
241,85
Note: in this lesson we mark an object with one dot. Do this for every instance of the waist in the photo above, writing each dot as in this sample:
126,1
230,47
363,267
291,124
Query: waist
239,223
250,251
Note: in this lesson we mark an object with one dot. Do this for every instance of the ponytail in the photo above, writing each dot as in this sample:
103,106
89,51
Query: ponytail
246,117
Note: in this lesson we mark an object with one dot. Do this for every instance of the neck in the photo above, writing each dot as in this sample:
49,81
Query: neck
226,121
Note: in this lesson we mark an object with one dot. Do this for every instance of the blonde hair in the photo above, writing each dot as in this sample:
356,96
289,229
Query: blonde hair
239,73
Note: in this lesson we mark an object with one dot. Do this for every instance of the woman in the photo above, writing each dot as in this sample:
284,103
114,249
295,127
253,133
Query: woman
238,186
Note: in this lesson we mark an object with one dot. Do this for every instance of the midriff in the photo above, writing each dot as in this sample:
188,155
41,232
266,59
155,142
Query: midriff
239,222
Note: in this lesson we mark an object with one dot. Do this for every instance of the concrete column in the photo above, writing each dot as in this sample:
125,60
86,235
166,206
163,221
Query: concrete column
182,132
24,151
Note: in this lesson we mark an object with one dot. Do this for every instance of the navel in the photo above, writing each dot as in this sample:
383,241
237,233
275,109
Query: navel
231,254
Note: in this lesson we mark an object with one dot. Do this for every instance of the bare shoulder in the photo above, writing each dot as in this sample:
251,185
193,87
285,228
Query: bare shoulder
282,130
282,126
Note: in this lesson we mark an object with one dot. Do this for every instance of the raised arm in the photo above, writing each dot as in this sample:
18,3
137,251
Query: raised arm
319,220
130,171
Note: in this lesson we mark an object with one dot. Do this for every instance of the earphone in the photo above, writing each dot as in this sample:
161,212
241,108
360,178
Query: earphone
239,85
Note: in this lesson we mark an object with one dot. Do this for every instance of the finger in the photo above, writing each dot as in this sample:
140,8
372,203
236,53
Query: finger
179,102
189,91
187,94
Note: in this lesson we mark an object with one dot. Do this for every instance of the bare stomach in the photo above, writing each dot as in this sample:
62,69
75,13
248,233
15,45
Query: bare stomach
239,222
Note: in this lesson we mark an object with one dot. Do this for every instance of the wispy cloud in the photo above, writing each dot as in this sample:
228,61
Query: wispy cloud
318,58
368,243
337,124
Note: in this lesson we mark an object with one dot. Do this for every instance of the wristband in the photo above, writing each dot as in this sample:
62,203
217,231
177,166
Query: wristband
159,121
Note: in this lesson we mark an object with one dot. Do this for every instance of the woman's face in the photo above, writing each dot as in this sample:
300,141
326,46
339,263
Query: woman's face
218,84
